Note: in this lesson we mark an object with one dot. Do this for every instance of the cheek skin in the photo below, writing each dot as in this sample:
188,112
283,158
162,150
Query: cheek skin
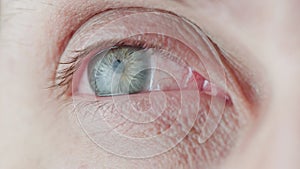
73,149
189,153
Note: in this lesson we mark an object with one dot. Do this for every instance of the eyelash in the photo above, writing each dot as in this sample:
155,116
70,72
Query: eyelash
65,76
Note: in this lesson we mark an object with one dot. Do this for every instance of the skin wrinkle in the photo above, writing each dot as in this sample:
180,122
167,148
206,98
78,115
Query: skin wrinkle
183,155
100,157
242,90
259,36
121,124
17,9
203,152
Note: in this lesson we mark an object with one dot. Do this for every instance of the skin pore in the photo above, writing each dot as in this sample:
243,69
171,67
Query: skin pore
260,39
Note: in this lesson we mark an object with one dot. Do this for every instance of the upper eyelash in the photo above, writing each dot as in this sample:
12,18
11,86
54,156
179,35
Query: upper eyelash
63,78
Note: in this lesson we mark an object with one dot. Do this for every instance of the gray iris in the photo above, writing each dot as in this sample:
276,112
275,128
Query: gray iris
121,70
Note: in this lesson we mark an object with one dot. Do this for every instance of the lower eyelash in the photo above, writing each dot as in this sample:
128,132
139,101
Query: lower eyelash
99,105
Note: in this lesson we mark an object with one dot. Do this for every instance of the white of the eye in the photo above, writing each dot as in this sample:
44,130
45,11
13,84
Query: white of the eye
84,86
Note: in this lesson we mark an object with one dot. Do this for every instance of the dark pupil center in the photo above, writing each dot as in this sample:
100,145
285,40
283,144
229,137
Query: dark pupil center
118,66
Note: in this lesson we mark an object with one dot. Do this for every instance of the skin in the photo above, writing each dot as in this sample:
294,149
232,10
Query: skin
37,130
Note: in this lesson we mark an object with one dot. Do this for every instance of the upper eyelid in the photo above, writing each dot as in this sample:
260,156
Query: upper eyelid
91,47
72,26
86,50
77,54
81,52
86,17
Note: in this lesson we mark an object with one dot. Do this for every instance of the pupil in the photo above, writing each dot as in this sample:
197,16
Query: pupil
118,66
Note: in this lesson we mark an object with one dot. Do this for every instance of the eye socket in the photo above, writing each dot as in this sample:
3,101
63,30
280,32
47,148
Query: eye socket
116,28
179,89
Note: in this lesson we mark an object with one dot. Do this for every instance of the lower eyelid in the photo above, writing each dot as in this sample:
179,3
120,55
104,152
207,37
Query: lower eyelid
104,109
203,85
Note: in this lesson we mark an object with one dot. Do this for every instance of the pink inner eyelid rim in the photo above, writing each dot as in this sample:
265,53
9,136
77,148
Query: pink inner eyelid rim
206,86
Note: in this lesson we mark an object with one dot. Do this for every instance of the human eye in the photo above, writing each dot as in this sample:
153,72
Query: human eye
149,81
